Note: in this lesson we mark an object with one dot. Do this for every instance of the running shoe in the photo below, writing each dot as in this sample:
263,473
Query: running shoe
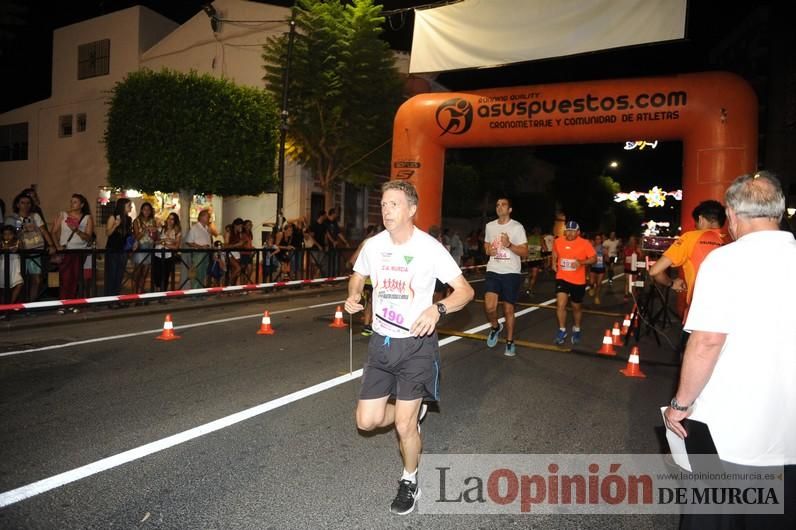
560,336
367,331
511,350
575,337
492,339
404,502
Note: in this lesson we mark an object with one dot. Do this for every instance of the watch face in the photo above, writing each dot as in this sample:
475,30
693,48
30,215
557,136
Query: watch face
442,309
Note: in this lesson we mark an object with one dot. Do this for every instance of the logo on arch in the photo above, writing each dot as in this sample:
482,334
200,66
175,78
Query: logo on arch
454,116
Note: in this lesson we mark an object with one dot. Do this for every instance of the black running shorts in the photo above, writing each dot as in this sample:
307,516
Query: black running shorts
575,292
405,369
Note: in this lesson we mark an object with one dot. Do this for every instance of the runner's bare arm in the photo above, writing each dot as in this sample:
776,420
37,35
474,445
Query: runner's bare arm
355,286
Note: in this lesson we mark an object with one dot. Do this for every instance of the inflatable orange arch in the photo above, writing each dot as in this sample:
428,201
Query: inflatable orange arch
714,114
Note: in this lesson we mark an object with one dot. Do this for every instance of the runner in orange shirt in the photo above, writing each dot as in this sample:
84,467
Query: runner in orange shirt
691,248
571,255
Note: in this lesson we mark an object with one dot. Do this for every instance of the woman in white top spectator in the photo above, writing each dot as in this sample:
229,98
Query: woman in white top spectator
73,230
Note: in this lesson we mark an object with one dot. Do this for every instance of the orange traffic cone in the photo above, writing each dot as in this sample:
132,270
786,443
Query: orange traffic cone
265,326
168,330
634,317
626,325
338,319
608,344
633,369
616,335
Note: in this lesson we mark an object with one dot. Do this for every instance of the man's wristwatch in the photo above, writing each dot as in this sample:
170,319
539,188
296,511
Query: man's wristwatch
678,407
442,309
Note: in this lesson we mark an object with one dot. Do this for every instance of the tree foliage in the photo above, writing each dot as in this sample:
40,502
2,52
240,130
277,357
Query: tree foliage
343,90
171,131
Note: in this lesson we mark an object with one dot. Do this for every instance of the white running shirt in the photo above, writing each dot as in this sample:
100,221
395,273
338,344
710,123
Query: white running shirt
403,278
504,261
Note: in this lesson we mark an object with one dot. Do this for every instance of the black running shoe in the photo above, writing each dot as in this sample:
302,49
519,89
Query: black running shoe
404,502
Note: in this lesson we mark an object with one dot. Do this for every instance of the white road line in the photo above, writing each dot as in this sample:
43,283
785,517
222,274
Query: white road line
41,486
56,481
150,331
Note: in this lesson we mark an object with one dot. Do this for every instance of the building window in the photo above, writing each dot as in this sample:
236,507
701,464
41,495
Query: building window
65,126
94,59
14,142
81,122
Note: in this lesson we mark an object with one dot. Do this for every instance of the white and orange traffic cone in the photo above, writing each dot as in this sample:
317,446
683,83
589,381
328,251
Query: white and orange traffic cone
338,319
616,335
608,344
626,325
633,369
168,330
265,325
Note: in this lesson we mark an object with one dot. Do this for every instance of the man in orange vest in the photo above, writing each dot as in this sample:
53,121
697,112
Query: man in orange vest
691,248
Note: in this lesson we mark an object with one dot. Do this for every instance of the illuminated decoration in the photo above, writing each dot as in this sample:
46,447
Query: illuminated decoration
104,195
640,145
653,227
656,197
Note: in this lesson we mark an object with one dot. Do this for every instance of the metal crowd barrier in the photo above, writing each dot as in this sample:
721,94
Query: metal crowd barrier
159,269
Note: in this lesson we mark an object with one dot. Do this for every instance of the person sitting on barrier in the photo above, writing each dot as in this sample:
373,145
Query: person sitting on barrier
571,255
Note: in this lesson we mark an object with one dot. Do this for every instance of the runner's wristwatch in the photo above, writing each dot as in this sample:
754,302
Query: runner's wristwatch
678,407
442,309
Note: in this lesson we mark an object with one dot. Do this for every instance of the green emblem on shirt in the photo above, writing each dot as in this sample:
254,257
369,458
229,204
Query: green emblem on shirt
408,259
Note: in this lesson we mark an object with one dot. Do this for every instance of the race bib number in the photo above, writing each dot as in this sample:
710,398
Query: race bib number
599,261
569,264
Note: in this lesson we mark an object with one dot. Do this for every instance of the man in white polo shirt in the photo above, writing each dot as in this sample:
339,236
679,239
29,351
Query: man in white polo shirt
739,367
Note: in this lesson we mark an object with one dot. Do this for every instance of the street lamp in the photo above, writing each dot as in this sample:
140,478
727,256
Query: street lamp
613,164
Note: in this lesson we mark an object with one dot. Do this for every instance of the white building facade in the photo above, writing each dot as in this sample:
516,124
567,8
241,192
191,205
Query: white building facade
57,143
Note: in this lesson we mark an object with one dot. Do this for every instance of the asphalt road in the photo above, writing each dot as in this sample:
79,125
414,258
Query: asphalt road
303,464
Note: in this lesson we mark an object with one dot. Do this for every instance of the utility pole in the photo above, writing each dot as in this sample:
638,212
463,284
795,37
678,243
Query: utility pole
283,126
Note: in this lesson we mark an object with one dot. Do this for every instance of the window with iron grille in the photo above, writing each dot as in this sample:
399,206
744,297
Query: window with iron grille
14,142
94,59
65,126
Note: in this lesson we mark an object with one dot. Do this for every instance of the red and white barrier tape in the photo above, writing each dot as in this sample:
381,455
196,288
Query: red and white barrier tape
163,294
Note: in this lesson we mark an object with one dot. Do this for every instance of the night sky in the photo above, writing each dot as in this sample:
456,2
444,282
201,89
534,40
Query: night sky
26,40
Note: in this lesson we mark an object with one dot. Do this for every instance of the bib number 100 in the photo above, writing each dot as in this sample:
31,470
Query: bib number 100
392,316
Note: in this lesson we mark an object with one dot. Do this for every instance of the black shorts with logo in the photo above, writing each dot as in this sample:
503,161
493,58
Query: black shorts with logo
404,369
575,292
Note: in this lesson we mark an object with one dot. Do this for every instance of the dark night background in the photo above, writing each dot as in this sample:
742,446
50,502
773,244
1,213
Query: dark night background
719,36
